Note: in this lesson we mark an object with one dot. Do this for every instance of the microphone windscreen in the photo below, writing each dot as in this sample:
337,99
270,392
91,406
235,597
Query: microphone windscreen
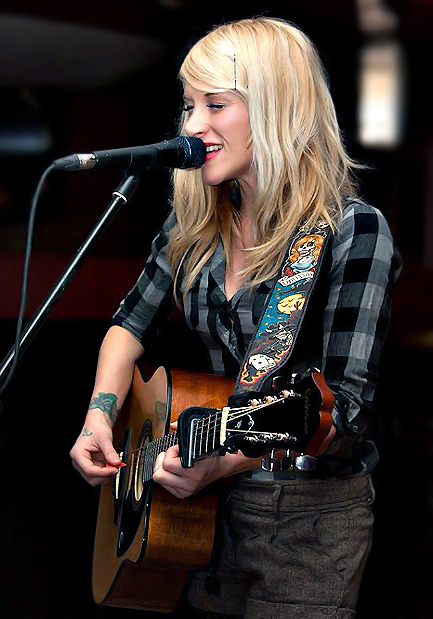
195,152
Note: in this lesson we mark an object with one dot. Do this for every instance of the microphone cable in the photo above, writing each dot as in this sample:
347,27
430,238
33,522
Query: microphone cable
24,285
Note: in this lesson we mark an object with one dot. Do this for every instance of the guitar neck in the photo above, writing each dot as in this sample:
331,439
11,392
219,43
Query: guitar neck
152,450
201,432
204,437
304,415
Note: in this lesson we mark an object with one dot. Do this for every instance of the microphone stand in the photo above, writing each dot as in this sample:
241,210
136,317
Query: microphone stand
120,196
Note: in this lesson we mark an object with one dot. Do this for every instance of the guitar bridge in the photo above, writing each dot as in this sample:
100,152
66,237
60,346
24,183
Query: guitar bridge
117,480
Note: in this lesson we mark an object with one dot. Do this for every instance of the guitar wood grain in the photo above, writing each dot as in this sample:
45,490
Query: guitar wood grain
174,537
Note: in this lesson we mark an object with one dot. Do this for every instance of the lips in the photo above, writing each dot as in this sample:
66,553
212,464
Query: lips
212,150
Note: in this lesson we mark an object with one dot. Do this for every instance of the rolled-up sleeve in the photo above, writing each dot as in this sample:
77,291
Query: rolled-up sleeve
365,265
150,301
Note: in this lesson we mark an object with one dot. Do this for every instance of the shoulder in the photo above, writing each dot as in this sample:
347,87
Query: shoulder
364,234
162,238
362,224
169,224
362,218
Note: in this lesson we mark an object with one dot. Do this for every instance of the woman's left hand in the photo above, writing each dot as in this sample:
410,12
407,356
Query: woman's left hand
183,482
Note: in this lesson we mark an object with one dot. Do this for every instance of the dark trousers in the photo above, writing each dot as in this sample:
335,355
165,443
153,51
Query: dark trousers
293,549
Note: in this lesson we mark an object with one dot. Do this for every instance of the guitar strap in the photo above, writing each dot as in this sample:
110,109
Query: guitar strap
271,346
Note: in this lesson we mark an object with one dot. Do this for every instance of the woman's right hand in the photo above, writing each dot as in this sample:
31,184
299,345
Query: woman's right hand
93,454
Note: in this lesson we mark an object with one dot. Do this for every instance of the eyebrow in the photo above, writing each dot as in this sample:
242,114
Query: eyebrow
210,94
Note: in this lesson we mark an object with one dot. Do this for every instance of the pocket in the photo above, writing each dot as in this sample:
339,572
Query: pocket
324,553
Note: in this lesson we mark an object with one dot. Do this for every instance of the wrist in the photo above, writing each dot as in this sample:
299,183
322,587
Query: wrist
96,417
230,464
107,403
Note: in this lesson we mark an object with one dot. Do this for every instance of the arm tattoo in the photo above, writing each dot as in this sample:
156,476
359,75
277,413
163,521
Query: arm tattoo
107,402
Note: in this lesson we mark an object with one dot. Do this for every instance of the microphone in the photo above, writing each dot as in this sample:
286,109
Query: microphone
180,152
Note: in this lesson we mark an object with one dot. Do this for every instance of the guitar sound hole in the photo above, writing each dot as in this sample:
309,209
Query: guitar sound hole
141,461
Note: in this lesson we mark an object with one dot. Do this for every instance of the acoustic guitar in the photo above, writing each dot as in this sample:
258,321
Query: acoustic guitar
148,542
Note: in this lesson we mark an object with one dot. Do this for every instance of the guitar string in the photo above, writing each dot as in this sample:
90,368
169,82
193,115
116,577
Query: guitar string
170,439
238,412
241,411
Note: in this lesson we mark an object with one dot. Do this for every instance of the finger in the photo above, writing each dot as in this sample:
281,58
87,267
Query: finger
172,453
159,460
171,461
103,476
177,485
167,470
167,459
110,454
91,479
91,465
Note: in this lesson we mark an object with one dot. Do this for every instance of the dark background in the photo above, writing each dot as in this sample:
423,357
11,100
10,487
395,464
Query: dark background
87,76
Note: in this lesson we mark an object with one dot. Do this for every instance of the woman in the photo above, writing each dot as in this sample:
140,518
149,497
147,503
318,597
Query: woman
296,542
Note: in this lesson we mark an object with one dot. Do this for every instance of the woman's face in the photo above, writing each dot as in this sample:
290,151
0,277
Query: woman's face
221,121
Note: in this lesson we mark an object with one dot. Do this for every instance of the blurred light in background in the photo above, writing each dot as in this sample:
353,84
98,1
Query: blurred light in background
48,52
380,95
22,128
381,77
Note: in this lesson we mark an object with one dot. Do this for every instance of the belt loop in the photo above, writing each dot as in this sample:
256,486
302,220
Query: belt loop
276,500
373,491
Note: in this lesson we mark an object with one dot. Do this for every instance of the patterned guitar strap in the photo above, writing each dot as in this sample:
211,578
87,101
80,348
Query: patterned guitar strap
271,346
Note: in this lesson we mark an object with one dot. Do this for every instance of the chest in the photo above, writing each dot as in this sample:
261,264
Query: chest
232,280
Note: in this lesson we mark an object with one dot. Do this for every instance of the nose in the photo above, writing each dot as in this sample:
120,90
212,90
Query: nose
197,123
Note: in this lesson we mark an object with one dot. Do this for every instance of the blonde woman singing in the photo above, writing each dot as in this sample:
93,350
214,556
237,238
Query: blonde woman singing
295,542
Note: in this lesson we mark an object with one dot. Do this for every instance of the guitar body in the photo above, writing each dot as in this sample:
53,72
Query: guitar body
147,541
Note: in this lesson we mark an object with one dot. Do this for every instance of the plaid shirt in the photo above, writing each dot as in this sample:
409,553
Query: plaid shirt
343,331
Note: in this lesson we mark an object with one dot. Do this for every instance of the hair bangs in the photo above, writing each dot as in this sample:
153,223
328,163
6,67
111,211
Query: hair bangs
207,69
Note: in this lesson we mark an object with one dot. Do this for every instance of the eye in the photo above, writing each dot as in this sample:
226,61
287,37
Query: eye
216,106
187,107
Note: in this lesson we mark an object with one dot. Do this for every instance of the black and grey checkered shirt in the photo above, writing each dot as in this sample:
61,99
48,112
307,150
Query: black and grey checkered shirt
343,331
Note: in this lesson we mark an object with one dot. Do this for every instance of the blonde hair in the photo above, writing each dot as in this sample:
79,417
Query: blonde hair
303,172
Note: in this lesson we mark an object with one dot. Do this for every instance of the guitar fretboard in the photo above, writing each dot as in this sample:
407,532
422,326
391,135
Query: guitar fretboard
151,451
205,435
204,440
